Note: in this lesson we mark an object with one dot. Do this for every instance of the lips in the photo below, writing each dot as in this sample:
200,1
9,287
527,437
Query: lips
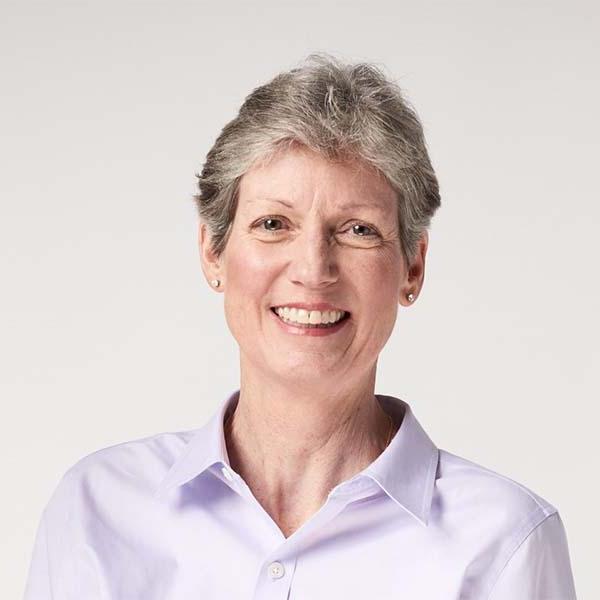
311,331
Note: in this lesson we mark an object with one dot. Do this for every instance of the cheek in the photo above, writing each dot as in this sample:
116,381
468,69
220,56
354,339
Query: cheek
380,280
248,275
379,289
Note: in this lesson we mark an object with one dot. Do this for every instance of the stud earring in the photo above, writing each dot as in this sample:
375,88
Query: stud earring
410,297
216,282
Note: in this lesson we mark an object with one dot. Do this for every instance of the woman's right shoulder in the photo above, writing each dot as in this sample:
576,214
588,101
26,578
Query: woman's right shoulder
120,472
100,508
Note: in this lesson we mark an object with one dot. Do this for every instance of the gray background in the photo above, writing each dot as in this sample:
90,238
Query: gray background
109,331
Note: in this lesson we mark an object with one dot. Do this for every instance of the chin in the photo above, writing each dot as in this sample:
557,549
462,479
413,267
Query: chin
312,371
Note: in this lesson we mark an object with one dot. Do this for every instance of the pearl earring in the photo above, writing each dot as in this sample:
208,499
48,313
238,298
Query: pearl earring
410,297
216,282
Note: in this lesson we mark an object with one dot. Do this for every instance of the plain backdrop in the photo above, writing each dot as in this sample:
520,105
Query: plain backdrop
109,331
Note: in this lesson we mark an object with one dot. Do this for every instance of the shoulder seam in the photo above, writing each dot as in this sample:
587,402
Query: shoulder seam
529,529
518,485
147,438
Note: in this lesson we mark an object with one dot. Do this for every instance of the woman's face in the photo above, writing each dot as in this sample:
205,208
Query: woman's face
308,231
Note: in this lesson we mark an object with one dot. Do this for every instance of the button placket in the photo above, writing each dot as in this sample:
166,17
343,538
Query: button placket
275,578
276,570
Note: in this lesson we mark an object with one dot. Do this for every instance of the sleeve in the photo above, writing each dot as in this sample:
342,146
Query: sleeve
65,562
37,586
540,567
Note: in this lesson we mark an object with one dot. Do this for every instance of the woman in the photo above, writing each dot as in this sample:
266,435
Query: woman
305,484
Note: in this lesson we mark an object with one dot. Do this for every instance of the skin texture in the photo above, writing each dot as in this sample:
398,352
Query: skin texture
307,418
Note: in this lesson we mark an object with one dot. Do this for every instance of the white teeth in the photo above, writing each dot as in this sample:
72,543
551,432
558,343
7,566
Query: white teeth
313,317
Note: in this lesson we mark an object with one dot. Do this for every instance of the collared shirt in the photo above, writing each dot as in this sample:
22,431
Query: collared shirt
167,518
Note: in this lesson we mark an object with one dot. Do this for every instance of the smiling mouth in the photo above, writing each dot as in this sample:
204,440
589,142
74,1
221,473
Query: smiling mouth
310,325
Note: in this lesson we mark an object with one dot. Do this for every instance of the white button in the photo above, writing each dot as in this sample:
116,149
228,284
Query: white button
227,473
276,570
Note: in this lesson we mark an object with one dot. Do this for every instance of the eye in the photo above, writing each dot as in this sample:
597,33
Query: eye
359,230
270,224
273,224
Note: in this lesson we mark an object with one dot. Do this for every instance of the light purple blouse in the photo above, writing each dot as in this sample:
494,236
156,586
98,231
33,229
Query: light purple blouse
167,518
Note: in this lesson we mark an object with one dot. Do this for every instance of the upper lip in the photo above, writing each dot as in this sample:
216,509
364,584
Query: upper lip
320,306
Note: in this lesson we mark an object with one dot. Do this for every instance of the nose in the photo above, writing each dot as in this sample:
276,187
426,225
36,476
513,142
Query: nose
313,262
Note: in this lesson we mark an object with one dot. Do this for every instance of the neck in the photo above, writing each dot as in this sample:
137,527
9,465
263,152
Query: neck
293,444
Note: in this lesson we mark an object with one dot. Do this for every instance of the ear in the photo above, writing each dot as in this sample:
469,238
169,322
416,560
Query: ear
211,264
416,272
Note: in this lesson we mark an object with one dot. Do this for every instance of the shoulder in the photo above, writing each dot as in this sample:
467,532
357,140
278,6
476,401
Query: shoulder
124,471
503,505
488,516
99,507
538,566
143,454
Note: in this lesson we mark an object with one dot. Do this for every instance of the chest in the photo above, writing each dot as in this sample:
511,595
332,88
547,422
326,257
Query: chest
230,548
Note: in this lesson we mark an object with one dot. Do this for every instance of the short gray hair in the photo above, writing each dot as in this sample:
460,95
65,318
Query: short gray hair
340,110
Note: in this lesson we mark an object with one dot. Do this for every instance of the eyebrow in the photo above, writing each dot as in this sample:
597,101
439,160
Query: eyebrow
284,202
352,205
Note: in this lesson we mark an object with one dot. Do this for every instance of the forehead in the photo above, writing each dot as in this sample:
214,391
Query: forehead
298,173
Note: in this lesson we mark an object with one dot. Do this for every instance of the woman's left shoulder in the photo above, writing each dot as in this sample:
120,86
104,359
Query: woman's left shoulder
469,486
514,538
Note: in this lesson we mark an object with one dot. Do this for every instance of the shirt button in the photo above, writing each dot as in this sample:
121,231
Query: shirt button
227,473
276,570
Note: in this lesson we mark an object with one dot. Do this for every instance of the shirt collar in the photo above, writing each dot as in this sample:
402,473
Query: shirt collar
405,470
